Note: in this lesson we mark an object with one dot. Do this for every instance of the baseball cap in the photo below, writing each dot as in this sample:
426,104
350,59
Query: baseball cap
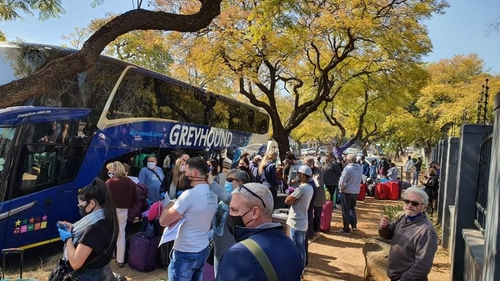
306,170
258,157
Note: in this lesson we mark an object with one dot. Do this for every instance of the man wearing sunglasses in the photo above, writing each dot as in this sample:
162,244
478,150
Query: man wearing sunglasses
414,239
270,255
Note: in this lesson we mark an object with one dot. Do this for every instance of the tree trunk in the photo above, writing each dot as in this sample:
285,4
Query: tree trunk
280,135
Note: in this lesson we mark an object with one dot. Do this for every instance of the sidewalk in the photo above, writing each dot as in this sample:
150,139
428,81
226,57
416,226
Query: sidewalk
334,256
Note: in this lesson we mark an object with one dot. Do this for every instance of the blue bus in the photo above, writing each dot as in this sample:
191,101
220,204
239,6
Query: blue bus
56,143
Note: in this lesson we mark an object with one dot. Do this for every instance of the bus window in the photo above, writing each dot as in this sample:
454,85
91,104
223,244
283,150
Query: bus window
144,96
6,136
89,89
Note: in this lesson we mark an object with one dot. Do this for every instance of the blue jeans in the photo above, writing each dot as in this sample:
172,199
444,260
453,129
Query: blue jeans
299,239
187,266
348,202
415,177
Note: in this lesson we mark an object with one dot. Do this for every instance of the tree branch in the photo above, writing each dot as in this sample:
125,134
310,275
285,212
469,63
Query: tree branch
58,69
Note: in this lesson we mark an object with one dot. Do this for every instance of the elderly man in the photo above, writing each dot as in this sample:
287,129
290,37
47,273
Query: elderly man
263,251
349,185
414,240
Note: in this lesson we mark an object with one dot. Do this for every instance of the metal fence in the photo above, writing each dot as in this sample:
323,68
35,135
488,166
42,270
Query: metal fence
482,182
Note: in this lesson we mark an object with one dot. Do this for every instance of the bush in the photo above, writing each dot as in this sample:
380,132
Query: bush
392,211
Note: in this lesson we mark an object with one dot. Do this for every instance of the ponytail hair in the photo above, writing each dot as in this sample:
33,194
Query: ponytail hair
98,192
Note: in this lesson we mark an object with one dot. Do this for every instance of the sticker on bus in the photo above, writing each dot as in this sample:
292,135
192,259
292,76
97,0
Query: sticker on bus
31,224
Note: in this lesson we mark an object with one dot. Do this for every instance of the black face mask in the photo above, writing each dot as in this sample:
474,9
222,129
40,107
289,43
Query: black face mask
83,212
233,221
188,180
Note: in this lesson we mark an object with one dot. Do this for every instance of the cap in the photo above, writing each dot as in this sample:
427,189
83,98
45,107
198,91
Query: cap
257,157
306,170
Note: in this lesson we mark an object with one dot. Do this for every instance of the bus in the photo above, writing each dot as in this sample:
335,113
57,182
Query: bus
57,142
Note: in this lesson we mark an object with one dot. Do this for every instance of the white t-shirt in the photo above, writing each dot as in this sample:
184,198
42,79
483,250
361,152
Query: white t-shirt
297,216
198,205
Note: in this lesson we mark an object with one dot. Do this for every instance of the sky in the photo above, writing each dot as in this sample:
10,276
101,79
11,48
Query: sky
465,28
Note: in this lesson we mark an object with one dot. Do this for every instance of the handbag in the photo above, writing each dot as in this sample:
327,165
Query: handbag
64,272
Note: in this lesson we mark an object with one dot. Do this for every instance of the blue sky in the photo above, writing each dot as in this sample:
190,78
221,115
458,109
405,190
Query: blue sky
464,29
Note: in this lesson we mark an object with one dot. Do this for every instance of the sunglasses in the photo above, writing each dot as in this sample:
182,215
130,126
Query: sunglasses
82,205
251,192
231,179
413,203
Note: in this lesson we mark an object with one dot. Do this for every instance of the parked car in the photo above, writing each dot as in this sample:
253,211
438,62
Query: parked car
311,151
322,150
303,152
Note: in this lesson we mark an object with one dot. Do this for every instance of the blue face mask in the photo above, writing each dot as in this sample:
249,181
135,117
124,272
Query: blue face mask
228,186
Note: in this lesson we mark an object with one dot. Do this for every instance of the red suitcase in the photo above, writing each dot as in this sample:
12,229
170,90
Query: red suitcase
362,192
326,217
393,190
381,191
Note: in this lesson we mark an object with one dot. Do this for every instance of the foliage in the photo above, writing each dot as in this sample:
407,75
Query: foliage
306,52
392,211
147,48
2,36
46,9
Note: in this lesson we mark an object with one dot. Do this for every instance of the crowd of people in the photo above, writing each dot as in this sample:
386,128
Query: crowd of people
229,214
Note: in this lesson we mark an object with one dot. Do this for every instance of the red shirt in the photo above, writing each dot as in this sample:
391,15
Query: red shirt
123,191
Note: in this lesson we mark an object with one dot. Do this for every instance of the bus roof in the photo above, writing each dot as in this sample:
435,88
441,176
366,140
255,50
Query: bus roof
29,114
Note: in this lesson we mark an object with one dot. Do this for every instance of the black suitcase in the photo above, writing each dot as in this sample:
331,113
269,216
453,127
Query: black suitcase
5,252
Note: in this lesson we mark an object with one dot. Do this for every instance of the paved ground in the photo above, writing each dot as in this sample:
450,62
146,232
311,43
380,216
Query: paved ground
332,256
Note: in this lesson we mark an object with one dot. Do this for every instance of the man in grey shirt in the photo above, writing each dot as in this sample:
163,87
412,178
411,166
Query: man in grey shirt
297,216
349,185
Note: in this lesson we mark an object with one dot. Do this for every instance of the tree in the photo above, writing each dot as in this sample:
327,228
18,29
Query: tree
307,51
137,19
147,48
2,36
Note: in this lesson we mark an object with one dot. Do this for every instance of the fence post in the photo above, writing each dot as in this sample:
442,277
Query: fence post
471,137
449,188
442,179
491,269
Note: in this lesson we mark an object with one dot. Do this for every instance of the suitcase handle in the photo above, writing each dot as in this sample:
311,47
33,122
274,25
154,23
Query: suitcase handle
5,252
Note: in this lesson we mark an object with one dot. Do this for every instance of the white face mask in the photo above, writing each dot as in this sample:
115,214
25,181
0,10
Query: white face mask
182,168
151,165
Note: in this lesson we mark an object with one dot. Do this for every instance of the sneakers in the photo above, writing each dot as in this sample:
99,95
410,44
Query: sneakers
120,264
354,229
341,231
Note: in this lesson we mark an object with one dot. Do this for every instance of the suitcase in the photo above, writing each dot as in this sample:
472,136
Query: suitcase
143,253
362,192
5,252
381,191
326,217
393,190
208,273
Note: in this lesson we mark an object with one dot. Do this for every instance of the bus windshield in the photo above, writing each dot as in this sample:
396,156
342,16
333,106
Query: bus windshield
6,137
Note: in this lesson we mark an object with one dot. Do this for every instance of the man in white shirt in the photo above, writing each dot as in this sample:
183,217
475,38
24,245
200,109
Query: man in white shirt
197,206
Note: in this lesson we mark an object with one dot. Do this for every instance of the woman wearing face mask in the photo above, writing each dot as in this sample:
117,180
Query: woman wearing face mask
89,242
152,177
213,166
244,165
174,181
124,194
223,239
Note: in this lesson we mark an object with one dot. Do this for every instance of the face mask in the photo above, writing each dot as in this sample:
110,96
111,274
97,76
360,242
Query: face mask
111,175
233,221
182,168
83,212
151,165
228,186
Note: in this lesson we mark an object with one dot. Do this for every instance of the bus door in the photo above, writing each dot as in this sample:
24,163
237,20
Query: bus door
38,190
